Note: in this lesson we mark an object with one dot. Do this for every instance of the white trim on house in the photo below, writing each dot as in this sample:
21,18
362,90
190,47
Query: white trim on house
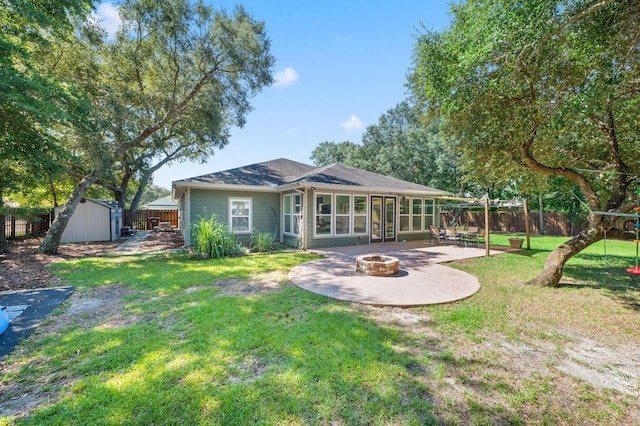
410,216
334,215
294,219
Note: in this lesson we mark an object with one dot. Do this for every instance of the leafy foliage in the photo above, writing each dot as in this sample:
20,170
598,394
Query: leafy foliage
213,239
399,146
262,241
176,77
540,88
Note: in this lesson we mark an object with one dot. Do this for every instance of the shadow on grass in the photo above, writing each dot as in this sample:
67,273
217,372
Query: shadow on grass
287,357
528,253
198,357
612,279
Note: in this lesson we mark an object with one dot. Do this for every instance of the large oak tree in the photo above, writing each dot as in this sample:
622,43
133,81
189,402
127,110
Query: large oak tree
550,86
170,85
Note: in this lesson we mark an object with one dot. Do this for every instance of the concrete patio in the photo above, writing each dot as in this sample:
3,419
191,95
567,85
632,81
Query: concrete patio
422,280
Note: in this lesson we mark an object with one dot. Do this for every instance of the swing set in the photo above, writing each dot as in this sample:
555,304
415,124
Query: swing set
636,226
635,270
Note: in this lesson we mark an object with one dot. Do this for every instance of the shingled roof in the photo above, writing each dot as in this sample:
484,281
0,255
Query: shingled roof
268,173
339,174
279,172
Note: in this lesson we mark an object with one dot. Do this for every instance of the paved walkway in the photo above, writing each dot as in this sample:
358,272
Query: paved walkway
132,244
423,280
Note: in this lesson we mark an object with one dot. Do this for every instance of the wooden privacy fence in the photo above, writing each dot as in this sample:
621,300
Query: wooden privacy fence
513,222
145,220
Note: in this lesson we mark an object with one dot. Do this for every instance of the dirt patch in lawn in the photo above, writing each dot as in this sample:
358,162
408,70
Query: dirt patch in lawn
256,284
571,375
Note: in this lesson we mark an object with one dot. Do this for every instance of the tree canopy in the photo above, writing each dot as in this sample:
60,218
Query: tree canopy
542,86
32,98
399,146
169,87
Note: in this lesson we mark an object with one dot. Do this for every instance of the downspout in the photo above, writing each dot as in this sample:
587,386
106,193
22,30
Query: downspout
303,228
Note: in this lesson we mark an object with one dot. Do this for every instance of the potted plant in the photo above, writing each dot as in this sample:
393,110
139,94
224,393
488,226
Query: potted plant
516,243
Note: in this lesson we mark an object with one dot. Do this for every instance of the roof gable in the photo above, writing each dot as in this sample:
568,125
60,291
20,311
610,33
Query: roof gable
268,173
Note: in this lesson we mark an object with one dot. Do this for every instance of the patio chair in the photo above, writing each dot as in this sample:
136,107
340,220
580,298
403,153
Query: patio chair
471,235
436,235
450,235
480,237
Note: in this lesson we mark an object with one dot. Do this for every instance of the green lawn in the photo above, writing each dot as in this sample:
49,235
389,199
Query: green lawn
231,342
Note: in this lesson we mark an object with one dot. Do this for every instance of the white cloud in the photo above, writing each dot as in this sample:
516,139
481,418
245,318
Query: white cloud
353,123
108,17
343,38
286,77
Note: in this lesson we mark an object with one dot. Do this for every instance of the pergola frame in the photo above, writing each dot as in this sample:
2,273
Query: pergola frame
487,203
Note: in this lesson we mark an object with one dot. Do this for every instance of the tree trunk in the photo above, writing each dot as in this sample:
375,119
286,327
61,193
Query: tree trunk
52,239
554,263
121,193
133,208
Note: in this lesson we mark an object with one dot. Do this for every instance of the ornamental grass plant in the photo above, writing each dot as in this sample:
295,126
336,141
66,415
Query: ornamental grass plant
212,238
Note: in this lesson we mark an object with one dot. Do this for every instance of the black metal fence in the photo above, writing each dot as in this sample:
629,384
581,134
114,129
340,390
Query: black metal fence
18,227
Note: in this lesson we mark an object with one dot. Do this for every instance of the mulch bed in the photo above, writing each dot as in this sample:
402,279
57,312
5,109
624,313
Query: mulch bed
22,268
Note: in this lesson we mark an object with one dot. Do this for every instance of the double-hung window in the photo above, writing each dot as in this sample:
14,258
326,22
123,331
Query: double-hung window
405,215
296,200
292,213
343,214
287,213
240,215
428,212
416,214
359,214
324,214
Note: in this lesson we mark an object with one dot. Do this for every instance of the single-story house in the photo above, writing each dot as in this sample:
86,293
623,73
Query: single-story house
164,203
307,206
93,220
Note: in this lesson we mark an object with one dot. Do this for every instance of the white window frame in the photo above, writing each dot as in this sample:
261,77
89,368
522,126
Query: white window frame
286,217
232,216
404,215
420,215
365,215
432,203
348,215
296,217
316,215
292,216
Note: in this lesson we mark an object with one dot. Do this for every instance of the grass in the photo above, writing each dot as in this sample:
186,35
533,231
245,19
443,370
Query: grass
175,346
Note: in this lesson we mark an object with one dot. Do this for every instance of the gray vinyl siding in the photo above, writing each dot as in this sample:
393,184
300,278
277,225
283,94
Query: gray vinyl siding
265,209
292,240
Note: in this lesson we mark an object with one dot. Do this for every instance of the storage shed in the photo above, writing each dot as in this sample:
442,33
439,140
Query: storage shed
93,220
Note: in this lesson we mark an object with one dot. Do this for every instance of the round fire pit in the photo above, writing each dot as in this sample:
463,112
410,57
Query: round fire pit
377,266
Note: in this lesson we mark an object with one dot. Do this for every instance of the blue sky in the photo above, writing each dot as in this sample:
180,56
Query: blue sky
340,65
